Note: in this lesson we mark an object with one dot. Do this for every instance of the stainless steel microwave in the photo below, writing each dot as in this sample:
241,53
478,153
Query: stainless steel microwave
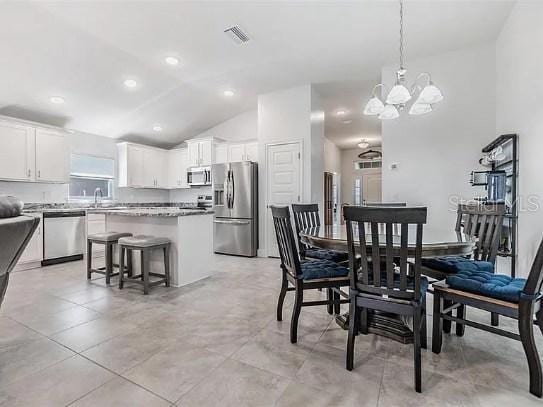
199,176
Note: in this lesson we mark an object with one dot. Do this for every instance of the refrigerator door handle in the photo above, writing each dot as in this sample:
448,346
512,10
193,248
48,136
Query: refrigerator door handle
233,189
231,222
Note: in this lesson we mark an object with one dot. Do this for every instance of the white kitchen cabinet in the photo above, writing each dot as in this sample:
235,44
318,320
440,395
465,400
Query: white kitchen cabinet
200,152
243,152
17,152
52,155
154,167
31,154
221,153
178,162
236,152
251,151
34,250
142,166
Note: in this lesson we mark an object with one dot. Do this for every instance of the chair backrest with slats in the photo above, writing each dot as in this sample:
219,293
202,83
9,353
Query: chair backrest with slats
305,216
484,224
392,282
290,261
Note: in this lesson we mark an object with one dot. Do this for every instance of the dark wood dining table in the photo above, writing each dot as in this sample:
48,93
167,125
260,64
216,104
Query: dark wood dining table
334,237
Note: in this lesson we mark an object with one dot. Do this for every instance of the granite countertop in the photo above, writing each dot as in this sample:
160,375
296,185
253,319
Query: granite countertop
90,208
157,212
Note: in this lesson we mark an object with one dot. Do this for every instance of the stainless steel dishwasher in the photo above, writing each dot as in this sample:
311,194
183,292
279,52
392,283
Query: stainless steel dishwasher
63,236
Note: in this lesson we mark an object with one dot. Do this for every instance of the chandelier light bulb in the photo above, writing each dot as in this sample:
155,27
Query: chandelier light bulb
398,95
420,108
390,112
374,107
430,95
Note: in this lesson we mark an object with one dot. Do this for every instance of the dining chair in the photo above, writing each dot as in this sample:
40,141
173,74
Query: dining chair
307,216
516,298
300,275
396,289
479,222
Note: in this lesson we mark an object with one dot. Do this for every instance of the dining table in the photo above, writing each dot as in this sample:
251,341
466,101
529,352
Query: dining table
334,237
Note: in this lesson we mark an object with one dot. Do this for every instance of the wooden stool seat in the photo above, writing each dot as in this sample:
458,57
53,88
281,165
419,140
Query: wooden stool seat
108,239
145,245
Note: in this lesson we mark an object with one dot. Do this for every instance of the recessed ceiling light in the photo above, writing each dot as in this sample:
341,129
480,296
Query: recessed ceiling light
341,113
130,83
346,121
228,93
171,61
57,100
157,127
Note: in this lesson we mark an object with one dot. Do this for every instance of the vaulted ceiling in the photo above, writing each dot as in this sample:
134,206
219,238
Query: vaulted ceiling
84,50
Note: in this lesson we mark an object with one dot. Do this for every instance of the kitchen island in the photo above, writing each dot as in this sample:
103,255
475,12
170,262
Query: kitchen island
190,232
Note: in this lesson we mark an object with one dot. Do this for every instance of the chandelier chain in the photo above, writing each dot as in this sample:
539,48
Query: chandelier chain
401,34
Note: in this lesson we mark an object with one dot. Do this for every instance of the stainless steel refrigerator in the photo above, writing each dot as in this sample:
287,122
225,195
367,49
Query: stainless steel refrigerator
235,202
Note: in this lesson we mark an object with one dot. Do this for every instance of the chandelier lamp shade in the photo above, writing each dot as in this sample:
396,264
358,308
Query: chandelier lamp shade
423,91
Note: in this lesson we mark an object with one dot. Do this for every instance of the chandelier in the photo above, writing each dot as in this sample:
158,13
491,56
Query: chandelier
427,94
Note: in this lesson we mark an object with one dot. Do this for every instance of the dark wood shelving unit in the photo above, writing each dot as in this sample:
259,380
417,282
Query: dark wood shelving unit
509,144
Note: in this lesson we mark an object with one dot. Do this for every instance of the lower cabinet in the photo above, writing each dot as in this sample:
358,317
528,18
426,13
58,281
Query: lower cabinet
34,250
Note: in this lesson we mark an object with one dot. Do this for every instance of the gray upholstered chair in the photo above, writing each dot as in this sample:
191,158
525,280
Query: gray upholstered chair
15,232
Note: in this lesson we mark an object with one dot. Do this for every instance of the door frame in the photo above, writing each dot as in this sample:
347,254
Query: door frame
267,146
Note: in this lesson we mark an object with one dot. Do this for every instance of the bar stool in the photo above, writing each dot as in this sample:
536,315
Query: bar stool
145,245
108,239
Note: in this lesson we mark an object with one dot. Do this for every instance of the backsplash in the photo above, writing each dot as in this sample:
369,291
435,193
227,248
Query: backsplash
58,193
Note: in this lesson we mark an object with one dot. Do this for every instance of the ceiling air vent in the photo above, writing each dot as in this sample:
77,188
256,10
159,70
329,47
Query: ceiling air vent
237,34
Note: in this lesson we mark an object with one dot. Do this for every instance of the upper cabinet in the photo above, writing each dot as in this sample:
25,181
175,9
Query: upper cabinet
142,166
243,151
17,160
221,153
200,152
178,162
51,156
33,154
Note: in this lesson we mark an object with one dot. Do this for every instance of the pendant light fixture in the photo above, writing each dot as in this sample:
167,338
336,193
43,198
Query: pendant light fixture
399,95
363,144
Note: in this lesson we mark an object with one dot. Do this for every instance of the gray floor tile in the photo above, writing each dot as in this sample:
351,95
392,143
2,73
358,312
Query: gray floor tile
18,361
56,385
92,333
13,333
236,384
120,393
174,371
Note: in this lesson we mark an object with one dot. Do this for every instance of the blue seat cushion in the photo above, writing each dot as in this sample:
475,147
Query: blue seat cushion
455,264
491,285
410,282
314,269
323,254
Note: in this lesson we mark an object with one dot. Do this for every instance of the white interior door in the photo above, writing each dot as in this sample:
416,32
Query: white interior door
283,184
372,188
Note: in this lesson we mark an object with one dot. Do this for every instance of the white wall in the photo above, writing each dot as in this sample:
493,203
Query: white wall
317,150
519,109
285,116
238,128
436,152
332,157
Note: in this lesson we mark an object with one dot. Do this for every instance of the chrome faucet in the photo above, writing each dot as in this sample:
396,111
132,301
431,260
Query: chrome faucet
96,191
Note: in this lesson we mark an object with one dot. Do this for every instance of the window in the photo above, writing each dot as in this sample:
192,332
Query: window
357,192
87,173
362,165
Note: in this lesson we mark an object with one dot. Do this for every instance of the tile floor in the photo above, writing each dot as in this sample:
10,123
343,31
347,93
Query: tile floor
66,341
